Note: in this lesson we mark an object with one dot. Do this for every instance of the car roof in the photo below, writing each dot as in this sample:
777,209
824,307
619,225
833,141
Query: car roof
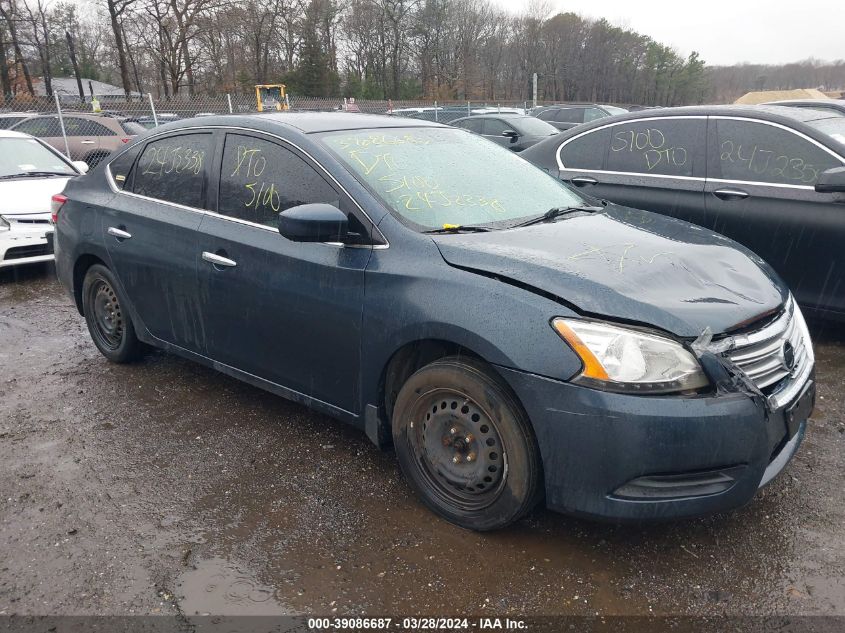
766,112
496,115
818,102
305,122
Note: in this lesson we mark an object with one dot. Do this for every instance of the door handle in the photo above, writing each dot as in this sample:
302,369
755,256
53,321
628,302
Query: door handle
580,181
218,260
87,142
730,194
119,234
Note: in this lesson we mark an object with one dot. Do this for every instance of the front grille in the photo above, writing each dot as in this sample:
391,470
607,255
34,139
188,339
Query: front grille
31,221
775,352
22,252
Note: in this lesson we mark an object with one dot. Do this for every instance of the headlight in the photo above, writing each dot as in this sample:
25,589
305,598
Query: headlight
4,225
620,359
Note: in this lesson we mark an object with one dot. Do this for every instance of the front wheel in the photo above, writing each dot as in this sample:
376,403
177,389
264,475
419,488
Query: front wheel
465,445
108,321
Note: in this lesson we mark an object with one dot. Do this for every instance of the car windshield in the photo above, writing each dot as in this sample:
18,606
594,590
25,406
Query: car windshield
532,126
431,177
26,155
834,127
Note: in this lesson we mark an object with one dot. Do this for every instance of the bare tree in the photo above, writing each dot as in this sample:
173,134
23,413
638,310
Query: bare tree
8,11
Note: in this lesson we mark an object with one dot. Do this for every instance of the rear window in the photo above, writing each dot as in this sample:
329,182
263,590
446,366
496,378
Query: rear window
173,169
132,128
834,127
665,147
533,127
570,115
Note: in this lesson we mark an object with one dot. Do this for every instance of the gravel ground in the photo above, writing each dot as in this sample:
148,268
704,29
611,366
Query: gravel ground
165,487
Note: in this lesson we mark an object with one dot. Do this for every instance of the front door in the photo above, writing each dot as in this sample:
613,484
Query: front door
760,192
287,312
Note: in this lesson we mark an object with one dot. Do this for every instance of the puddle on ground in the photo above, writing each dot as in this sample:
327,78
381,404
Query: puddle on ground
218,587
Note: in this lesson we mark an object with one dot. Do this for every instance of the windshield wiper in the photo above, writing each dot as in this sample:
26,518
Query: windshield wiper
25,174
556,212
460,228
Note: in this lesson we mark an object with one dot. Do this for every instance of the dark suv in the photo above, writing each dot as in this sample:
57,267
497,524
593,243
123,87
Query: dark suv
567,116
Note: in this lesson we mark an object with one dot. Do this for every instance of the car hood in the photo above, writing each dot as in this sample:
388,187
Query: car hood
629,265
29,195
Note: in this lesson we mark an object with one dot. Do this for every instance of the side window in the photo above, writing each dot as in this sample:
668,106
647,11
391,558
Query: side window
587,151
666,147
87,127
259,179
173,169
495,127
121,168
473,125
547,115
757,152
73,126
591,114
570,115
41,127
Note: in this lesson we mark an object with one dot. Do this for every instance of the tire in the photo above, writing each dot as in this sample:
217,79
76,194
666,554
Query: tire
109,323
466,446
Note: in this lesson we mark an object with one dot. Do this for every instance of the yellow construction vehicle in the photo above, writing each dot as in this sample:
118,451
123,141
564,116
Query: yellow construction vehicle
271,97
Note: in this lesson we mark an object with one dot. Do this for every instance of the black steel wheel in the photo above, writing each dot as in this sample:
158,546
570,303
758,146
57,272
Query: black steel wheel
109,324
465,445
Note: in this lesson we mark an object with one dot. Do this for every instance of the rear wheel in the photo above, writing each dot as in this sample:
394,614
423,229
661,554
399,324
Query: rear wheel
465,445
108,321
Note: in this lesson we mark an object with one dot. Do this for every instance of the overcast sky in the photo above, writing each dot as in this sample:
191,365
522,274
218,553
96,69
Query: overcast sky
725,31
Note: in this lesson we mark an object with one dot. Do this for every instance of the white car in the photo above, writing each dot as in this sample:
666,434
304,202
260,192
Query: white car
30,173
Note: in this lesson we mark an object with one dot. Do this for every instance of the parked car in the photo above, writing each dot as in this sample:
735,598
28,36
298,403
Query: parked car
30,172
512,131
514,339
764,176
496,110
441,114
8,119
90,137
836,106
567,116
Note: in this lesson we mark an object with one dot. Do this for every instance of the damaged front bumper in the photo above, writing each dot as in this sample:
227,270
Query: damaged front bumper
630,457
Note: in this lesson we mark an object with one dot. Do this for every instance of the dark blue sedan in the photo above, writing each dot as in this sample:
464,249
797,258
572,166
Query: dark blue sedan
513,339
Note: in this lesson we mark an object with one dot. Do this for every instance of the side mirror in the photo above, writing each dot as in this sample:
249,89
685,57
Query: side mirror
317,222
832,181
81,165
511,134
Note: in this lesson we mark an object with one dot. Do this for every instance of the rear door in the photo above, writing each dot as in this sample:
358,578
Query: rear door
287,312
656,164
80,137
150,232
760,192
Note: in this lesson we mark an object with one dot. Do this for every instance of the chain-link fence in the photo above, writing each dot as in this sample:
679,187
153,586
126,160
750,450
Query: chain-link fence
62,120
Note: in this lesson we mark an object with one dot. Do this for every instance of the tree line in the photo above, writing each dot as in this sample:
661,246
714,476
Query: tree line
370,49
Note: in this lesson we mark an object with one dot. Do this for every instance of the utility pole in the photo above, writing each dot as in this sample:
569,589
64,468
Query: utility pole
534,90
